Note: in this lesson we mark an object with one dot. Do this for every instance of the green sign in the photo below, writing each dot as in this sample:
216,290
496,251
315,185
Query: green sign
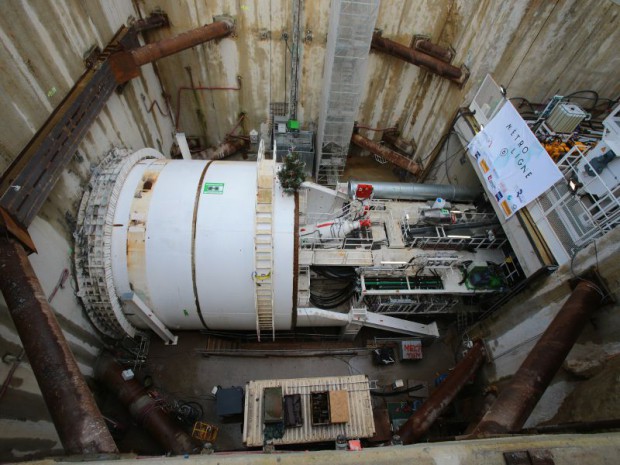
213,188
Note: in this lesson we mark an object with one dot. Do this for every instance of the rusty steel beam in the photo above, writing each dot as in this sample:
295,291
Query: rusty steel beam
144,408
393,138
426,46
225,149
419,423
154,21
517,400
80,426
415,57
27,182
390,155
126,64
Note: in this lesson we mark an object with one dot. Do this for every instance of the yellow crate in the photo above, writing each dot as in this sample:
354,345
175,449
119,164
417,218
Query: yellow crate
205,431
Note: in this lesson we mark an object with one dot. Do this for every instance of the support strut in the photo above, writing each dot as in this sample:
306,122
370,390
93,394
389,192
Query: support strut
390,155
126,64
418,58
81,428
419,423
517,400
144,408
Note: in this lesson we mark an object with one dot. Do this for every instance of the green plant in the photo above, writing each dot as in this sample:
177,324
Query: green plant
291,175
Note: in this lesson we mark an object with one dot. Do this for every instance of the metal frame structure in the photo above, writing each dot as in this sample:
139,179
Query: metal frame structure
351,26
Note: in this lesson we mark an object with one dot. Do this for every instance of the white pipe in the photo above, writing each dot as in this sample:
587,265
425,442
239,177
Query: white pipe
182,142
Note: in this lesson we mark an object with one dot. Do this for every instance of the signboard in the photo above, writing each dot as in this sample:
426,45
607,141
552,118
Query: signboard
516,168
411,350
213,188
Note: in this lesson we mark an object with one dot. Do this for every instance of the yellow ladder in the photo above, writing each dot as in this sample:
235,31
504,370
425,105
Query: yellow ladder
263,246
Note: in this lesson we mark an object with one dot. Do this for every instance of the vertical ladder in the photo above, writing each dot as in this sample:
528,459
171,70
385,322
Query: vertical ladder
263,245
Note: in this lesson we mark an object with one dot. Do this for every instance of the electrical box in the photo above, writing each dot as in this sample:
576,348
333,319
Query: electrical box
292,125
411,350
273,407
565,118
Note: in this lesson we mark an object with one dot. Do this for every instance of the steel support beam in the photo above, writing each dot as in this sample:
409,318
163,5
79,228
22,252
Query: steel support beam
81,428
419,423
390,155
226,149
517,400
126,64
418,58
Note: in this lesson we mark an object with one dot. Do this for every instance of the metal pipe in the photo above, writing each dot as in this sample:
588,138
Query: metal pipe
391,156
144,408
78,421
226,149
418,58
419,423
125,65
441,53
171,45
517,400
391,137
416,191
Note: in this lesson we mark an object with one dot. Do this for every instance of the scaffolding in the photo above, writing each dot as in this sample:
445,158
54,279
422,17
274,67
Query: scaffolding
351,26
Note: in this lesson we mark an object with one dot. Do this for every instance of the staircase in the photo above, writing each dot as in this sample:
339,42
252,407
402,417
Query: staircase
263,246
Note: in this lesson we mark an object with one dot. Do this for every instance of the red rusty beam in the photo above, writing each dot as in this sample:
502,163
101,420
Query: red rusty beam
126,64
144,408
517,400
390,155
225,149
426,46
418,58
419,423
80,426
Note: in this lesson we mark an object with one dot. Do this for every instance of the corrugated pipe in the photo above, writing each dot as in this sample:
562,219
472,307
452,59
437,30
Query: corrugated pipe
419,58
144,409
517,400
384,152
78,421
415,191
419,423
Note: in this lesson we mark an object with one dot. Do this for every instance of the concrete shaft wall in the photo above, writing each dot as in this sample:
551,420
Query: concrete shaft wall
41,50
536,48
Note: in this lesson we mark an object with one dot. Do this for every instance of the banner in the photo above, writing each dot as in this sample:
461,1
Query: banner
516,168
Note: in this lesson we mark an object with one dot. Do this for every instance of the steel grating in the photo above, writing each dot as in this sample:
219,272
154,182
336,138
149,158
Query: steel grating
351,26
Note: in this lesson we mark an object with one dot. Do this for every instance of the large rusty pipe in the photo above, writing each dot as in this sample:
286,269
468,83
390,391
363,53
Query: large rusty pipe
418,58
390,155
517,400
419,423
426,46
225,149
125,65
170,46
78,421
144,408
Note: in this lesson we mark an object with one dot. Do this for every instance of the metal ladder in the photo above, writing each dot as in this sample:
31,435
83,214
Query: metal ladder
263,246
